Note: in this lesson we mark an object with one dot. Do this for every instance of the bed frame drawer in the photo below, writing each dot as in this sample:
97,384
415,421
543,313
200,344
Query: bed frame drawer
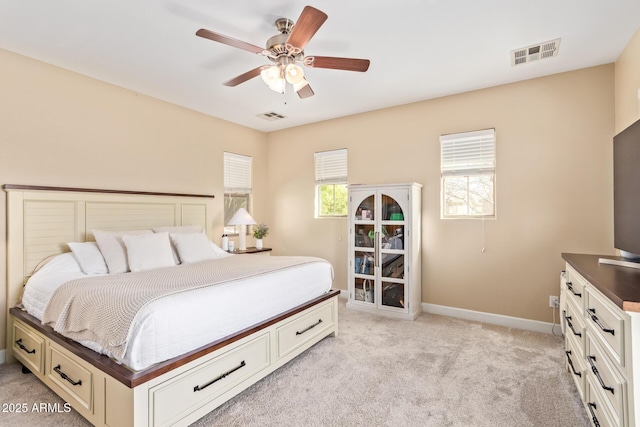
174,399
303,329
70,376
28,347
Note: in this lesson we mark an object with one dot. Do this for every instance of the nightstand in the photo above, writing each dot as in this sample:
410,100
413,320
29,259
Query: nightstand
253,250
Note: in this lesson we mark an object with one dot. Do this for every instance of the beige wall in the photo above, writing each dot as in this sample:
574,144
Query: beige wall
62,129
627,78
554,187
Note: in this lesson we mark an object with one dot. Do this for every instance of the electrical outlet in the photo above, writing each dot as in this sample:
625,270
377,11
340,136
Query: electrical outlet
553,301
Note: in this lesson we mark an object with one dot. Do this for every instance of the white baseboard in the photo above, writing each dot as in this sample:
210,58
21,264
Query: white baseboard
2,356
494,319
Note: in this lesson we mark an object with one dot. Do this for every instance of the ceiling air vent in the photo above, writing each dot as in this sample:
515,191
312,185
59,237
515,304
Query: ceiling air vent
535,52
271,116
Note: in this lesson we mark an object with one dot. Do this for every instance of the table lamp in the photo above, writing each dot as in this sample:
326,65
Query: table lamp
242,218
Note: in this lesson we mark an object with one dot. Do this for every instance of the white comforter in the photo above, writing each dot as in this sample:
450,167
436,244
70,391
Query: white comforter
169,327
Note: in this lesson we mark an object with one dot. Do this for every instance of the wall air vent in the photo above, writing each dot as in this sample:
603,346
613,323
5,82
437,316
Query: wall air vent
535,52
271,116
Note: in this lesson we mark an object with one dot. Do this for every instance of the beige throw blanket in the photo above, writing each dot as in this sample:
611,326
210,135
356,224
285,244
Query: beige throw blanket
102,308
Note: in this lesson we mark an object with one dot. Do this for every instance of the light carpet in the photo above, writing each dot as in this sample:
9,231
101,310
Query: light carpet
435,371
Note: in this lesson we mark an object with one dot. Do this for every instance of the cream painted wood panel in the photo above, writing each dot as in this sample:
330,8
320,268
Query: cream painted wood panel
296,333
577,365
613,386
71,376
610,359
176,398
28,346
48,226
129,216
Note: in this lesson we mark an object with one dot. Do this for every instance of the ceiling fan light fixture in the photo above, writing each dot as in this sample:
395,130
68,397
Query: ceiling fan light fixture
271,75
278,85
294,74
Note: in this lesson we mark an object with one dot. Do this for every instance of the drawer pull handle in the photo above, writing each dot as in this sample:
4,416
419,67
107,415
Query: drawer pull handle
570,287
309,328
571,364
592,314
568,319
595,371
226,374
592,406
19,342
66,377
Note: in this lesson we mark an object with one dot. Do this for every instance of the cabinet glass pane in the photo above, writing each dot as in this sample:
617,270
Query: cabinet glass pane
391,210
365,209
364,263
364,290
392,236
393,266
393,294
365,235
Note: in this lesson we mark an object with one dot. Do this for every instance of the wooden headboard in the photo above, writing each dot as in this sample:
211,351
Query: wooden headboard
42,220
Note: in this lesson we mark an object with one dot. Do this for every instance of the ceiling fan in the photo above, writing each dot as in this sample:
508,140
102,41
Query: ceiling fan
286,51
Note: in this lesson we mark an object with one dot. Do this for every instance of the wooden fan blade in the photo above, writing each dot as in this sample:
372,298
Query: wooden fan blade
229,41
310,20
305,92
243,77
349,64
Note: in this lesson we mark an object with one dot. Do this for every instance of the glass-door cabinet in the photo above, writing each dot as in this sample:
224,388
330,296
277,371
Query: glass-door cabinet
384,249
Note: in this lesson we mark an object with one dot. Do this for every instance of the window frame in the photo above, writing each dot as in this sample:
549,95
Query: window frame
330,170
237,170
467,154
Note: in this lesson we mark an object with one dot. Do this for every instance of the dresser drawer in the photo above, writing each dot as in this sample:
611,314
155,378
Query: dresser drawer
28,347
597,408
576,285
575,327
174,399
607,322
71,377
303,329
607,380
576,365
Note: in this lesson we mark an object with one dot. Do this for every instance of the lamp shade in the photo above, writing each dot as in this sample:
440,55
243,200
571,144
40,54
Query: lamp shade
294,74
241,217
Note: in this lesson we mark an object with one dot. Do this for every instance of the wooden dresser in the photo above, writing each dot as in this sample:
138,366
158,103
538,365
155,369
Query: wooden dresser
600,308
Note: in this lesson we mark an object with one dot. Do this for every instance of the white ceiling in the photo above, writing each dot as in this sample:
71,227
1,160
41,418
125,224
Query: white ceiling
419,49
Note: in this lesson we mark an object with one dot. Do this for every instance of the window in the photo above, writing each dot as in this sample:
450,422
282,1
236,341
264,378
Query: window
237,187
331,183
467,164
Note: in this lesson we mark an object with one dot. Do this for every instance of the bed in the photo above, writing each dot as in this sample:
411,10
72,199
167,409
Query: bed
188,350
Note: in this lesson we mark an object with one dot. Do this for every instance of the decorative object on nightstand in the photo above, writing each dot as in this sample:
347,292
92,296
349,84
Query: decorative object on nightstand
260,231
385,249
242,218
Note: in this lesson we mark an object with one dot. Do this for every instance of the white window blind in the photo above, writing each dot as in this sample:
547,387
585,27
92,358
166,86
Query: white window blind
237,173
331,167
468,152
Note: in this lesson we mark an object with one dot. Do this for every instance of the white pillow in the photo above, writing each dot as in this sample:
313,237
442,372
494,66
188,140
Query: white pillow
178,229
113,249
89,257
148,251
193,247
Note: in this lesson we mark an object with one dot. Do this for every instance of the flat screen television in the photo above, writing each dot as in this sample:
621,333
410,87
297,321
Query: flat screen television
626,191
